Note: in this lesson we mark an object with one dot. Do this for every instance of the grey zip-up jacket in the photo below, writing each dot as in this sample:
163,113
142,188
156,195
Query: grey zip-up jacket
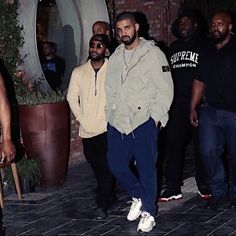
146,92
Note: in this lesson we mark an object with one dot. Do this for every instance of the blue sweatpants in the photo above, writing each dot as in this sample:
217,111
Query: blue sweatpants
141,144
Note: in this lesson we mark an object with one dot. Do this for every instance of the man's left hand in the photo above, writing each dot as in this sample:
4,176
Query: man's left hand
8,151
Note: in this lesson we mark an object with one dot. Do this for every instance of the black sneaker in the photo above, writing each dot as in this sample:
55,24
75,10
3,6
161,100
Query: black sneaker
169,195
204,195
215,202
232,205
100,214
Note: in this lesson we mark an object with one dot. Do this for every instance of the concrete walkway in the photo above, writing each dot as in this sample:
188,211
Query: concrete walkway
69,211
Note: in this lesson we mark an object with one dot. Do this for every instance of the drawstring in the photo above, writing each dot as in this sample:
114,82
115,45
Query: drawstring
96,75
133,135
122,135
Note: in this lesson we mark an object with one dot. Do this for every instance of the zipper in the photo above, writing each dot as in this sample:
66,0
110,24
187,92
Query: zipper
96,83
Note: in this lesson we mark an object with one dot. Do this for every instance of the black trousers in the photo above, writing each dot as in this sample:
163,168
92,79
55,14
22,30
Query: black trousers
179,133
95,151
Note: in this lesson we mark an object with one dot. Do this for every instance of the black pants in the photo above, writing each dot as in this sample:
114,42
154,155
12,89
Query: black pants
179,133
95,151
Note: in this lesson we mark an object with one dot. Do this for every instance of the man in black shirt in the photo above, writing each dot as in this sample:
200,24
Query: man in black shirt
53,66
184,58
217,118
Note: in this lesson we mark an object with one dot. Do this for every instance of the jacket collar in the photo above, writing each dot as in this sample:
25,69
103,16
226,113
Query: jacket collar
142,49
88,64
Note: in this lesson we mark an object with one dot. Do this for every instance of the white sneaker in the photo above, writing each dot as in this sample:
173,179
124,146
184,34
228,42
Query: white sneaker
146,223
135,209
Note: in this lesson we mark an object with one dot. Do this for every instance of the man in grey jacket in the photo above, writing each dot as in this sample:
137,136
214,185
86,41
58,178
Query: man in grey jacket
139,93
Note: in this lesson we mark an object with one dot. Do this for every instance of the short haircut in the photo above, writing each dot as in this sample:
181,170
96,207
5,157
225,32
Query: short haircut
103,38
227,15
51,44
106,24
126,15
190,13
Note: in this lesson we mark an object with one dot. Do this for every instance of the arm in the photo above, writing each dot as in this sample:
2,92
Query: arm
197,92
164,89
8,149
73,95
109,89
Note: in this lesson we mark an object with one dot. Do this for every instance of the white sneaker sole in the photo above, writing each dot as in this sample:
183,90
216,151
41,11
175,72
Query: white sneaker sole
148,229
174,197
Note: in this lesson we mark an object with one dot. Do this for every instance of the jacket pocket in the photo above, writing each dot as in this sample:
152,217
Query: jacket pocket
93,125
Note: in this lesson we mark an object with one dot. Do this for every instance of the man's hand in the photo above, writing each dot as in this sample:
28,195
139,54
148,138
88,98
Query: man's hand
8,151
194,118
197,92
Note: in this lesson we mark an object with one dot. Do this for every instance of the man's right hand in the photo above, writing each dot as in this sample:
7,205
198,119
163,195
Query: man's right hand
194,118
197,93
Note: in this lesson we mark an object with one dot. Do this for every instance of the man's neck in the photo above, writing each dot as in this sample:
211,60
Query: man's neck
135,44
49,57
97,64
224,42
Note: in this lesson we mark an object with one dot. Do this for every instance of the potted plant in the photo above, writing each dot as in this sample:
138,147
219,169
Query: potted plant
29,173
43,116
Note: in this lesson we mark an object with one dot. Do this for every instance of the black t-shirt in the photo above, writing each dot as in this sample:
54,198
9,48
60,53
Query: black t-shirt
217,69
53,70
184,60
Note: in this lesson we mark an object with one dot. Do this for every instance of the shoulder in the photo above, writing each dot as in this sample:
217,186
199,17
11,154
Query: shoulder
117,52
82,68
154,51
175,43
233,42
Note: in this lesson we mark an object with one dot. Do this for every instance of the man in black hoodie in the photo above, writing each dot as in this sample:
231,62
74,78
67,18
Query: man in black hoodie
183,58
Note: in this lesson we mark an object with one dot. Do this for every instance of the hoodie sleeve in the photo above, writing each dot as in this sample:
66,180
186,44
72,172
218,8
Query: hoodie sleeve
73,95
164,87
109,89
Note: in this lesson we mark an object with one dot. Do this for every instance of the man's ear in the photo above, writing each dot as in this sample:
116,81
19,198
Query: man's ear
230,27
136,27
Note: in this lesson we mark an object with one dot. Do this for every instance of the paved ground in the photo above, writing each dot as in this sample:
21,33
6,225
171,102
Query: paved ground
69,211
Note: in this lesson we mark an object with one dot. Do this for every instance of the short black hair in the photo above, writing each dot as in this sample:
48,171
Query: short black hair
51,44
106,24
103,38
226,14
126,15
190,13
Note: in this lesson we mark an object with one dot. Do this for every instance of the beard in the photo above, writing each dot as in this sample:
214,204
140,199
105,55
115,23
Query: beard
186,35
219,37
96,57
130,40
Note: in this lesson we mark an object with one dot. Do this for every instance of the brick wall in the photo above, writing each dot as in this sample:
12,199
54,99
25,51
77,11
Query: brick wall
160,15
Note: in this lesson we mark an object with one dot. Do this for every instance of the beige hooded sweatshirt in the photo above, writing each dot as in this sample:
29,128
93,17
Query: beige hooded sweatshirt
86,97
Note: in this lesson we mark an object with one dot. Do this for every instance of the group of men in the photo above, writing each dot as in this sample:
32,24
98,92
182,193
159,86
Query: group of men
122,103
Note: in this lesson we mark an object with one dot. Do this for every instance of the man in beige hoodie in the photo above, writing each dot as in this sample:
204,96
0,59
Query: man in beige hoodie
86,97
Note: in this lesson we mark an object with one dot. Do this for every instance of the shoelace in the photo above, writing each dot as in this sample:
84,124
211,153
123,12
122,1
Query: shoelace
134,203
